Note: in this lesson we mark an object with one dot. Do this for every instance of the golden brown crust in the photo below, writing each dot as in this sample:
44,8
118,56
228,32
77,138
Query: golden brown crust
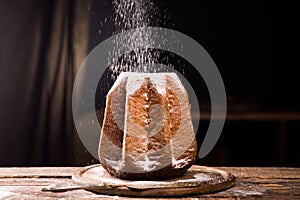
137,142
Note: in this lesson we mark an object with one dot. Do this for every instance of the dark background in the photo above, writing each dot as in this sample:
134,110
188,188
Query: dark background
255,45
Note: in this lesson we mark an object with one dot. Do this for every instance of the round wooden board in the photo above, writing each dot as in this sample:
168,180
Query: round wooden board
210,180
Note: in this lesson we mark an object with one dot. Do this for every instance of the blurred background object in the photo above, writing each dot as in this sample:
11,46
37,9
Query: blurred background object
42,46
254,44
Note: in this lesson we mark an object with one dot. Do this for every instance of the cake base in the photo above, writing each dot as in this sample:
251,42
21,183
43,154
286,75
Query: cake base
197,180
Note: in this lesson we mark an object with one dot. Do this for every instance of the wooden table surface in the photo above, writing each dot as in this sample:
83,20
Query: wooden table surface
266,183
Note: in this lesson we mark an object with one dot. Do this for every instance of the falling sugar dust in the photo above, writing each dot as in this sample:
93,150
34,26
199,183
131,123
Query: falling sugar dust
133,14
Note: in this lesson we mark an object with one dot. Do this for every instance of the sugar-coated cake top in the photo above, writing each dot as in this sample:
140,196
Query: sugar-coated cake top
135,80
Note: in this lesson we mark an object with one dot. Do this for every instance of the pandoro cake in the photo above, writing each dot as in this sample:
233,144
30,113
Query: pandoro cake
147,131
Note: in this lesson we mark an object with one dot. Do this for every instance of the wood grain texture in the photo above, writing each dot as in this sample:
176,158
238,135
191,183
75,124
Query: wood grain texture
251,182
203,180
